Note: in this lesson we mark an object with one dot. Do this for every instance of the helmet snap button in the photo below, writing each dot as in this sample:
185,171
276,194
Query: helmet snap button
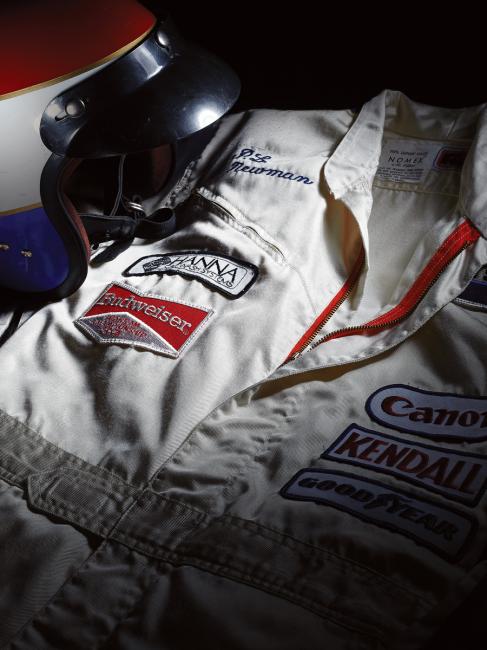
163,39
75,107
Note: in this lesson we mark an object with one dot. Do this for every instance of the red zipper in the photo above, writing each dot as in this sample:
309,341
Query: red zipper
331,308
462,237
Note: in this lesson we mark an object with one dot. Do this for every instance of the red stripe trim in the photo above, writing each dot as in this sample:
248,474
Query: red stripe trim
350,281
45,40
464,234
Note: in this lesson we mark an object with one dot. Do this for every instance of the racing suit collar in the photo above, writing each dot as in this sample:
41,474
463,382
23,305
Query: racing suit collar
350,170
349,174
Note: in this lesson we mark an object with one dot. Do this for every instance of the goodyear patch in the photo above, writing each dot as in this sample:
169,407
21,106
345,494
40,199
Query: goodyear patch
442,530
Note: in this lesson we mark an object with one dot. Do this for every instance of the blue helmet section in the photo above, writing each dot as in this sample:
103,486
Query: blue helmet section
33,257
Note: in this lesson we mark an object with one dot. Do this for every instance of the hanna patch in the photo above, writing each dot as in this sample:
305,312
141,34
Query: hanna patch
442,530
121,314
227,274
455,475
424,413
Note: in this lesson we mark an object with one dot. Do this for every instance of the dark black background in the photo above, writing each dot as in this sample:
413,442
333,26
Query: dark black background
306,55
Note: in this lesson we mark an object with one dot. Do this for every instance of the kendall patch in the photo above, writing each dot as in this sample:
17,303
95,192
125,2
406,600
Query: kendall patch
442,530
475,295
434,415
455,475
227,274
124,315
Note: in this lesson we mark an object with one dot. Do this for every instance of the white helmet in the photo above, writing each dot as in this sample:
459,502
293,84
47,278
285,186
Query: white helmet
102,107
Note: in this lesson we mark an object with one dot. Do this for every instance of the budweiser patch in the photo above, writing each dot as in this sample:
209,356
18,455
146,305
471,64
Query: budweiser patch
440,529
227,274
123,315
434,415
453,474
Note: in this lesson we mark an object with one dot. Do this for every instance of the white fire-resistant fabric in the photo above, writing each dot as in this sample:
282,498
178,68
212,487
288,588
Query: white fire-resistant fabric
85,426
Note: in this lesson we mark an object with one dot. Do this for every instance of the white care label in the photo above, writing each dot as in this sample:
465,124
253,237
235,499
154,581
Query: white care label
406,161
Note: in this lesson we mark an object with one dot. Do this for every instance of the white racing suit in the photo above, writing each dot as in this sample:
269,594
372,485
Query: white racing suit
268,430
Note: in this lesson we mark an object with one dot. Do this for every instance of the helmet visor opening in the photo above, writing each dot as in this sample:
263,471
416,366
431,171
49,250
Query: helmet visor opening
109,186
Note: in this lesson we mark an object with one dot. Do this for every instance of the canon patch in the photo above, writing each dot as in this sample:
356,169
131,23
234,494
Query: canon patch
425,413
227,274
440,529
121,314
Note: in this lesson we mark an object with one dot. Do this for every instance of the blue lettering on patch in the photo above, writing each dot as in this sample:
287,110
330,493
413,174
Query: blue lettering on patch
249,155
475,295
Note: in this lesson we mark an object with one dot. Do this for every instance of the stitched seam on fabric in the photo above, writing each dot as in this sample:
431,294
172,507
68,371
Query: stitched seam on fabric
240,227
179,504
445,141
10,478
178,558
125,512
79,479
129,537
229,218
413,190
348,143
64,509
125,611
337,560
56,450
273,588
73,516
365,574
59,452
153,549
29,623
146,587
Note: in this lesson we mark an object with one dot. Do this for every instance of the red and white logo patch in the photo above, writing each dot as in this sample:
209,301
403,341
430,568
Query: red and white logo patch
121,314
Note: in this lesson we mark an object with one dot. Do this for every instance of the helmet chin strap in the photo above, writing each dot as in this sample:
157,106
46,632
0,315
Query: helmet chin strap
122,229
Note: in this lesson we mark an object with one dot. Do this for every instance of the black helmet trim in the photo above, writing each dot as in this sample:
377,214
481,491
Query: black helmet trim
162,91
66,221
